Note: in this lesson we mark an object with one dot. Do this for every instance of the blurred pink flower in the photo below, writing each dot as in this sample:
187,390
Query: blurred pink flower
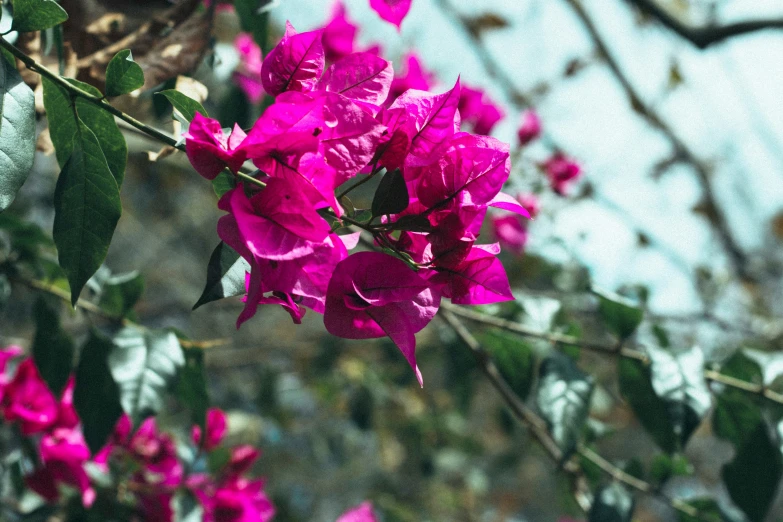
478,110
529,128
215,428
248,74
393,11
361,513
27,398
561,171
339,33
412,75
510,231
63,454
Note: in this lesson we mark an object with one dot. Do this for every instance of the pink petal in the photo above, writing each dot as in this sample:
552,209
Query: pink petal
393,11
339,34
361,513
506,202
362,77
480,280
295,63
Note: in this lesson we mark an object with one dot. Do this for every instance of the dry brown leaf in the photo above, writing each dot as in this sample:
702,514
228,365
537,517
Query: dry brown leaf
776,224
164,152
44,142
109,26
30,44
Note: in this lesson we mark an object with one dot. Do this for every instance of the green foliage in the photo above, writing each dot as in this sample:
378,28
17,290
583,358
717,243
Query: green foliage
17,132
192,386
223,182
708,511
120,293
752,477
737,414
96,396
391,197
253,22
123,75
514,358
225,275
186,105
663,467
563,397
621,315
613,503
144,364
52,348
35,15
652,412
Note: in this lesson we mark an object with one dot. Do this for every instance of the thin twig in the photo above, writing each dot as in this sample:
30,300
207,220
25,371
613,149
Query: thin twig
609,349
705,36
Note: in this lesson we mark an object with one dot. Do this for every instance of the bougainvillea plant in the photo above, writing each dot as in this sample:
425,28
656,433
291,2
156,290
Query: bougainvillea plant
358,193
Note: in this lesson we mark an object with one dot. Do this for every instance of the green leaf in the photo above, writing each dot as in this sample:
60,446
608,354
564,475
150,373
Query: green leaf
752,477
613,503
514,359
391,196
737,414
636,387
96,396
17,133
621,315
52,348
663,467
186,106
144,363
120,293
123,75
708,511
87,207
223,182
36,15
563,397
63,126
225,275
192,387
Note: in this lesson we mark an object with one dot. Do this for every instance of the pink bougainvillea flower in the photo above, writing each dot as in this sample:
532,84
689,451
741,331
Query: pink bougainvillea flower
511,232
234,499
478,279
248,74
562,171
66,413
470,173
393,11
432,120
362,77
339,33
506,202
295,64
529,128
412,75
478,110
27,399
215,427
361,513
221,7
375,295
63,454
210,150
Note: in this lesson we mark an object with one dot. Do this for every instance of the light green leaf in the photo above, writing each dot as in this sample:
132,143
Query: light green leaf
186,106
17,133
36,15
123,75
144,364
225,275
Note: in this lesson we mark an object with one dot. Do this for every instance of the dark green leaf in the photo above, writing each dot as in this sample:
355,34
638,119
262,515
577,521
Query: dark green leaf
652,411
514,359
120,293
254,22
123,75
621,315
225,275
752,477
742,367
737,414
663,467
87,207
17,133
96,396
35,15
224,182
612,503
563,397
63,126
391,197
144,363
192,387
186,106
661,335
52,348
414,223
634,468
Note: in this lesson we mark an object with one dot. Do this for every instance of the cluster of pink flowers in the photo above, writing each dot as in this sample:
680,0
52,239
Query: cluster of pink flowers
325,127
156,472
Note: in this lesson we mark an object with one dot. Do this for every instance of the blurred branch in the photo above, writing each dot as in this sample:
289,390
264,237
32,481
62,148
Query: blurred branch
538,427
705,36
715,215
611,349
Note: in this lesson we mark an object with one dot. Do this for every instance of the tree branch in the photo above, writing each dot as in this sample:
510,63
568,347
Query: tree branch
705,36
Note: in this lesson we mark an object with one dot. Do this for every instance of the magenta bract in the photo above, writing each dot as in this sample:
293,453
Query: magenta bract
393,11
295,64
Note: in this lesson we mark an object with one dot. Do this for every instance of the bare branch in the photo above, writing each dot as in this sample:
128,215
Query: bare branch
705,36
